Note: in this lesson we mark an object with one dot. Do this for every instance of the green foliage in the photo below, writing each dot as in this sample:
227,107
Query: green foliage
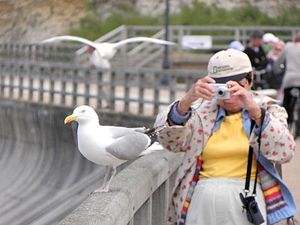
92,27
289,16
201,14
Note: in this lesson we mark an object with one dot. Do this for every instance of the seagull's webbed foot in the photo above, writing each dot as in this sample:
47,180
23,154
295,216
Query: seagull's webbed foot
109,174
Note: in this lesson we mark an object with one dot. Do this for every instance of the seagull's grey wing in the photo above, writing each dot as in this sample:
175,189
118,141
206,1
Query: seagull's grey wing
70,38
129,146
143,39
117,132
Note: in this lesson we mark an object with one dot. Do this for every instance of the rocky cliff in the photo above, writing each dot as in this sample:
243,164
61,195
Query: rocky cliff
33,20
156,7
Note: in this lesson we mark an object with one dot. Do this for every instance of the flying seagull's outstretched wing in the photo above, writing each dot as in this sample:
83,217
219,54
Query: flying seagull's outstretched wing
70,38
143,39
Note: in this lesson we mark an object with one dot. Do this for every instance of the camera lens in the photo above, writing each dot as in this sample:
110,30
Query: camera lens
221,92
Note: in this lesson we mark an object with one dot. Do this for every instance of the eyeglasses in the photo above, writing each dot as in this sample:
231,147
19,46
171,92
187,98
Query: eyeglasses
246,80
244,83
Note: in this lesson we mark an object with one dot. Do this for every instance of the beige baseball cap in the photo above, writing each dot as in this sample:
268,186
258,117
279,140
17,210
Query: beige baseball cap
228,65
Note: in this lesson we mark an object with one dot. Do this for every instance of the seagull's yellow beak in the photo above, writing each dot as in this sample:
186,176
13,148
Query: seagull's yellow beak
69,119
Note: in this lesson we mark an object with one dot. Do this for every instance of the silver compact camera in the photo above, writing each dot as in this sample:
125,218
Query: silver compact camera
221,91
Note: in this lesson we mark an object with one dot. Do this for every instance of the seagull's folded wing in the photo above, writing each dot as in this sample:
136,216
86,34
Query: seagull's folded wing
117,132
129,146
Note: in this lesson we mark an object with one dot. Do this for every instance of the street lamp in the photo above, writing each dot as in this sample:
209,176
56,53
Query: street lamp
166,62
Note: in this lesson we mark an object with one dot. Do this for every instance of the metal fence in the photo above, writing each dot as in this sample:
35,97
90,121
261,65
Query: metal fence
147,53
38,52
128,91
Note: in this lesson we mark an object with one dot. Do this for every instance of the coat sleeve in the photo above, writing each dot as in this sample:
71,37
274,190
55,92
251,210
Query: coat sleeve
174,138
277,144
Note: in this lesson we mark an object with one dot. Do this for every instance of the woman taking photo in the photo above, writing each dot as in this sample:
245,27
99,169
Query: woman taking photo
215,136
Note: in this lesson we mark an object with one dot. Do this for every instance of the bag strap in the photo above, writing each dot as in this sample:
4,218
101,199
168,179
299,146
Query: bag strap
250,156
249,164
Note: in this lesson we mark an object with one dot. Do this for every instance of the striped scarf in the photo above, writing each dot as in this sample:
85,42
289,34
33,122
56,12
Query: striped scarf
271,190
190,192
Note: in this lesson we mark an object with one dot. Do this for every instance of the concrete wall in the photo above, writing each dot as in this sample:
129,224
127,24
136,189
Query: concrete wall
139,195
43,176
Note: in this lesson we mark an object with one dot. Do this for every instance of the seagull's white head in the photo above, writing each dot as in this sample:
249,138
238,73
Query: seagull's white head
83,114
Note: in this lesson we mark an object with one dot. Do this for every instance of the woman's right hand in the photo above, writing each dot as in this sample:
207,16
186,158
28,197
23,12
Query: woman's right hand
200,89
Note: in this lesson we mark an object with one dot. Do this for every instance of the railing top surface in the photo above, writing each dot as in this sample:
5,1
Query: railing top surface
130,189
71,66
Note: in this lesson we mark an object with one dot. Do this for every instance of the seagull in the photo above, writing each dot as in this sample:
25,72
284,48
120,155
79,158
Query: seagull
105,51
109,146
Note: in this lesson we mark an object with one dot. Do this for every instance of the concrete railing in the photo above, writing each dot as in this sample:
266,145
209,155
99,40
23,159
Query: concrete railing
132,91
139,194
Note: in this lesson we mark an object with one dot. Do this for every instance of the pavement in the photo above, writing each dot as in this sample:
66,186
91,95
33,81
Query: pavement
291,175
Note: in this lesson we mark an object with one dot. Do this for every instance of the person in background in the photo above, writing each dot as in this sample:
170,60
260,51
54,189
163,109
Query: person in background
291,56
237,45
215,137
273,47
269,41
255,51
258,59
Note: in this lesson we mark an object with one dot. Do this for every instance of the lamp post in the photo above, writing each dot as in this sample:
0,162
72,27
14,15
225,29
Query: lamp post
166,62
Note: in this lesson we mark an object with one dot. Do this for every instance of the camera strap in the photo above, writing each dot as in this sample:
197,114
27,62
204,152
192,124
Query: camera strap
250,156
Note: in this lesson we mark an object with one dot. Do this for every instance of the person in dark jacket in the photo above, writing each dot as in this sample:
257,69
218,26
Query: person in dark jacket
258,58
255,51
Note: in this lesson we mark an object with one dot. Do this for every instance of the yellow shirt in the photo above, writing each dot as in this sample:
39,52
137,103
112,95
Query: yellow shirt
226,152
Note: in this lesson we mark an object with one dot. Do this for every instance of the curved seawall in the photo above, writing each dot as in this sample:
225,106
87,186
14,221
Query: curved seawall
43,176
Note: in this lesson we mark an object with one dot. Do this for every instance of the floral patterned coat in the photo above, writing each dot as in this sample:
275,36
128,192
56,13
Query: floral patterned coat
277,145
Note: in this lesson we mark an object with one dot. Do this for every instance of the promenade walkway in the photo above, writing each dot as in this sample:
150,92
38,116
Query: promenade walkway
291,174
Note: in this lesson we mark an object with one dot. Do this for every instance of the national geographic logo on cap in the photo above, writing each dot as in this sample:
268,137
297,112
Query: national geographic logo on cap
217,69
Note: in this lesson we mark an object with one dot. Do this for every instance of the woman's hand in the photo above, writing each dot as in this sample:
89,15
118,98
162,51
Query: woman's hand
200,89
246,99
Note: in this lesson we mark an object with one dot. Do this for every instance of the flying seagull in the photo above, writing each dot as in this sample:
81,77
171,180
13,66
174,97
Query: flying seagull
105,51
109,146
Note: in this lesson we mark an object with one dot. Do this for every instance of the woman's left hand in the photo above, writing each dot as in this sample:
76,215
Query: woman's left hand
245,97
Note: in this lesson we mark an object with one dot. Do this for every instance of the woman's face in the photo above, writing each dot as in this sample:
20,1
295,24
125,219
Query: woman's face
234,104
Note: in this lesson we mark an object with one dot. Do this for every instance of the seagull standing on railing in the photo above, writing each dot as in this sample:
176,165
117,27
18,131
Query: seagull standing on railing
105,51
109,146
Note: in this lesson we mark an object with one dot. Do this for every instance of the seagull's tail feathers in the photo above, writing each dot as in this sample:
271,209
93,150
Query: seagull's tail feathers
152,133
